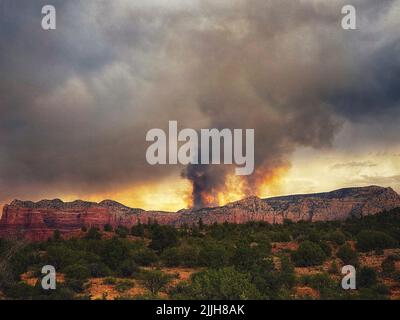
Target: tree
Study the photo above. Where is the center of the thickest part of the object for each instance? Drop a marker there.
(388, 266)
(155, 280)
(108, 228)
(214, 255)
(128, 268)
(222, 284)
(347, 254)
(114, 252)
(163, 237)
(99, 270)
(246, 256)
(308, 254)
(77, 271)
(138, 230)
(366, 277)
(144, 257)
(56, 235)
(201, 224)
(122, 231)
(368, 240)
(337, 237)
(93, 234)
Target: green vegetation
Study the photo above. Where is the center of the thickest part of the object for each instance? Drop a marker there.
(308, 254)
(347, 254)
(228, 261)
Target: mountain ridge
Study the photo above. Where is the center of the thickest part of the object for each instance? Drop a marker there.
(39, 220)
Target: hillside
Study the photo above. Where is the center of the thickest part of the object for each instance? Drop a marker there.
(39, 220)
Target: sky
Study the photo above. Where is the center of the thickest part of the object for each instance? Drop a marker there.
(76, 102)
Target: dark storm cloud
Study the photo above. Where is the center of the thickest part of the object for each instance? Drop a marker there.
(76, 102)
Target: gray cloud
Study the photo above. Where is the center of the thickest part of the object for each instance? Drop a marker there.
(79, 100)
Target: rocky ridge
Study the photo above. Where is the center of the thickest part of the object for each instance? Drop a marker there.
(38, 220)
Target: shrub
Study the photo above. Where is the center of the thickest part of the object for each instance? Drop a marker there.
(163, 237)
(77, 271)
(138, 230)
(246, 256)
(327, 287)
(110, 281)
(155, 280)
(333, 268)
(93, 234)
(75, 285)
(388, 266)
(114, 251)
(214, 255)
(122, 231)
(325, 248)
(99, 270)
(224, 284)
(128, 268)
(308, 254)
(366, 277)
(108, 228)
(145, 257)
(347, 254)
(337, 237)
(124, 285)
(56, 235)
(369, 240)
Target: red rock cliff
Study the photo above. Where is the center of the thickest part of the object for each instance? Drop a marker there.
(38, 221)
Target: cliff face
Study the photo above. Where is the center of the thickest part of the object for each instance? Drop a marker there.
(38, 221)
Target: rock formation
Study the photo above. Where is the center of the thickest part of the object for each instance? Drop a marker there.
(38, 221)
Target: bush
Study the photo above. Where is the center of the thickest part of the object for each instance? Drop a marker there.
(308, 254)
(124, 285)
(246, 256)
(128, 268)
(137, 230)
(366, 277)
(145, 257)
(214, 255)
(347, 254)
(325, 248)
(337, 237)
(114, 251)
(93, 234)
(333, 268)
(163, 237)
(75, 285)
(77, 271)
(369, 240)
(110, 281)
(221, 284)
(327, 287)
(108, 228)
(99, 270)
(155, 280)
(122, 231)
(388, 266)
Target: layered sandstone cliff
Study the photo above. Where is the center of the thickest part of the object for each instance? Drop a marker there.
(38, 221)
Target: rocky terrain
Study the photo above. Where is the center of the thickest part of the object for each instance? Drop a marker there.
(38, 221)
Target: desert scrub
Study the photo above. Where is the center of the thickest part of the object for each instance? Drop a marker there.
(110, 281)
(124, 285)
